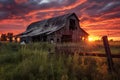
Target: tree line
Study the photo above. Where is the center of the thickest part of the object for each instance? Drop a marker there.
(7, 37)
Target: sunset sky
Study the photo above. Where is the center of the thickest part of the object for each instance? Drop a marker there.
(97, 17)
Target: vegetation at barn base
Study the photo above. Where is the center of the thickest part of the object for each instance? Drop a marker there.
(34, 62)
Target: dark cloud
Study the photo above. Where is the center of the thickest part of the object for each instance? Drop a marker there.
(110, 6)
(6, 1)
(22, 7)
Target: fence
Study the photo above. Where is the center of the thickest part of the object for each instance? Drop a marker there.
(70, 50)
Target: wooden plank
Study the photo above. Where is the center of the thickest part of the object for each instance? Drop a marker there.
(108, 53)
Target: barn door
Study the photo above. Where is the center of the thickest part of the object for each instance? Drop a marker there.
(44, 38)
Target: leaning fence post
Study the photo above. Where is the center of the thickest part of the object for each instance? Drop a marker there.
(108, 53)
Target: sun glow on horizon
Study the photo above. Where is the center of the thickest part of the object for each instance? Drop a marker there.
(93, 38)
(90, 39)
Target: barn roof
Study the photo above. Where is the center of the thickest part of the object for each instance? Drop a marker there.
(47, 26)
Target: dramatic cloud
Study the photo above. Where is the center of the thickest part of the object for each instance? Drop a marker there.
(96, 16)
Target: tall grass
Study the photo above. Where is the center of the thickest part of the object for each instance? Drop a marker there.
(34, 62)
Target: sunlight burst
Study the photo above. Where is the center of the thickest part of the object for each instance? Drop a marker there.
(92, 38)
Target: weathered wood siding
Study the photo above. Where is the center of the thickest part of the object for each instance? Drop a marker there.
(64, 28)
(77, 34)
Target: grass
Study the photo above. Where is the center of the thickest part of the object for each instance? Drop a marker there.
(33, 62)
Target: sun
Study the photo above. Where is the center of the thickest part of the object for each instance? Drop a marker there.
(90, 39)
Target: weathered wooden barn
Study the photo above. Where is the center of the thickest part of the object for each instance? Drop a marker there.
(64, 28)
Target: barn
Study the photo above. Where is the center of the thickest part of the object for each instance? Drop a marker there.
(64, 28)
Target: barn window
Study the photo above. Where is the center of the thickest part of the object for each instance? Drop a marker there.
(72, 25)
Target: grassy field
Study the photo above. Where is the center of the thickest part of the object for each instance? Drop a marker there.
(93, 47)
(33, 62)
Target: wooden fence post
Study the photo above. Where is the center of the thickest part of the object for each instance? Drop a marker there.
(108, 53)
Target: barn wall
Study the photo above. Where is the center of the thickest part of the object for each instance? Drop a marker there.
(78, 34)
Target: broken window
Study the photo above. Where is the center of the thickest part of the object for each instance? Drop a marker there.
(72, 25)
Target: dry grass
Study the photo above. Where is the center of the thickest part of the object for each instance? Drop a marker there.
(32, 62)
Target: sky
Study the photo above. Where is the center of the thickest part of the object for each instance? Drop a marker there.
(97, 17)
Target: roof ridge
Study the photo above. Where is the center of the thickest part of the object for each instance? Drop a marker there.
(33, 23)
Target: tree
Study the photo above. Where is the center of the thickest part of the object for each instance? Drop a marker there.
(3, 37)
(10, 36)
